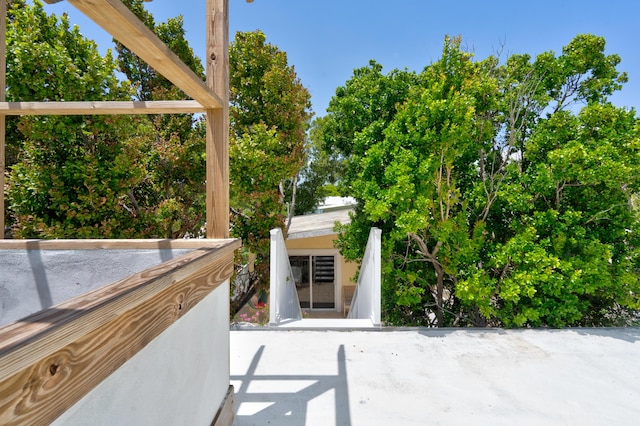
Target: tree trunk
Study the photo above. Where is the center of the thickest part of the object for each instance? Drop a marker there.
(439, 295)
(292, 206)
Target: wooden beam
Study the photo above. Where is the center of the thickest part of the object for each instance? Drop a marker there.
(51, 359)
(106, 107)
(123, 244)
(115, 18)
(225, 414)
(217, 142)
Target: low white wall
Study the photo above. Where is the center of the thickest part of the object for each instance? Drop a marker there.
(367, 296)
(179, 378)
(283, 298)
(32, 280)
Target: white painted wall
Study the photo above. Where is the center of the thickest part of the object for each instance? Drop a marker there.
(179, 378)
(283, 298)
(367, 297)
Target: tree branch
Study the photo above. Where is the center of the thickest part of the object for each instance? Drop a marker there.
(596, 216)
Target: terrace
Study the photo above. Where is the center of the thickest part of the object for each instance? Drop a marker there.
(136, 331)
(428, 376)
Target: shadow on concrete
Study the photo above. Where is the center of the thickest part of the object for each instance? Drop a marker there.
(289, 407)
(40, 277)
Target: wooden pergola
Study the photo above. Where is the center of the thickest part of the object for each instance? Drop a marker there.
(211, 98)
(52, 358)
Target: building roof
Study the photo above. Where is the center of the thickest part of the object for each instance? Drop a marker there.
(336, 203)
(316, 225)
(436, 376)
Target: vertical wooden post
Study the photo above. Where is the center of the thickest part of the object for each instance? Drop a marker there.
(3, 88)
(218, 120)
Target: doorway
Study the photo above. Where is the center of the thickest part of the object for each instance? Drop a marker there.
(315, 277)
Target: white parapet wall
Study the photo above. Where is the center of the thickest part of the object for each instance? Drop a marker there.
(179, 378)
(367, 297)
(101, 333)
(283, 297)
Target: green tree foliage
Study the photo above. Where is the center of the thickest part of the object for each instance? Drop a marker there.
(143, 176)
(270, 110)
(501, 200)
(320, 174)
(97, 176)
(357, 117)
(173, 190)
(70, 176)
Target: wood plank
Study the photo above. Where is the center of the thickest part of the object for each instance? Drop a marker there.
(105, 107)
(115, 18)
(225, 414)
(44, 371)
(122, 244)
(217, 142)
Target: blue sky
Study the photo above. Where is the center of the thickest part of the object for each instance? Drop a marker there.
(326, 39)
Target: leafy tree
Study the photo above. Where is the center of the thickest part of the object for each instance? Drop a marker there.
(269, 115)
(173, 191)
(572, 255)
(360, 111)
(357, 116)
(71, 175)
(501, 203)
(320, 174)
(144, 176)
(149, 178)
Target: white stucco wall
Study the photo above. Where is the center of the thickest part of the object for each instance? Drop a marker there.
(179, 378)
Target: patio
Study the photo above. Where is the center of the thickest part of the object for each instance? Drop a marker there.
(430, 376)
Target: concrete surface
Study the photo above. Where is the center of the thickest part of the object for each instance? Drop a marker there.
(437, 377)
(32, 280)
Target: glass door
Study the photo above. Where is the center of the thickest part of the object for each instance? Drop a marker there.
(315, 281)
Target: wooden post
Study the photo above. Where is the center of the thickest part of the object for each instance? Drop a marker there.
(217, 58)
(3, 88)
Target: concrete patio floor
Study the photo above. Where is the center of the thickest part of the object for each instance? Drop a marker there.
(436, 377)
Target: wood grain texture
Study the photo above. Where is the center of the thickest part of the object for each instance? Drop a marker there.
(53, 358)
(217, 187)
(217, 138)
(115, 18)
(115, 244)
(100, 107)
(225, 414)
